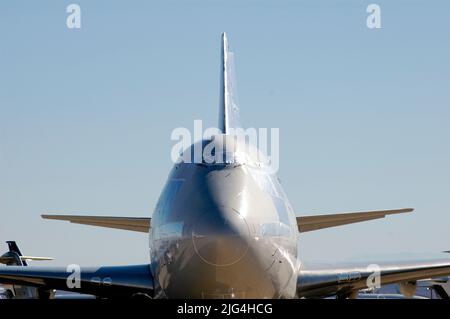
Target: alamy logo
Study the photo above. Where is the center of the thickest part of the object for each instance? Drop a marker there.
(74, 279)
(73, 20)
(250, 146)
(374, 19)
(374, 279)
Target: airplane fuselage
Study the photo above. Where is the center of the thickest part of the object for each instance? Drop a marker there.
(223, 231)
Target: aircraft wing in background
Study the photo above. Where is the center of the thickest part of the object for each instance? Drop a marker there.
(346, 281)
(39, 282)
(114, 281)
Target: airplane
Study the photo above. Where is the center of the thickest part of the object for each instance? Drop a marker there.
(14, 257)
(433, 288)
(224, 229)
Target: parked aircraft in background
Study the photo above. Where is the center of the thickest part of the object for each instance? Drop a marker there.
(435, 288)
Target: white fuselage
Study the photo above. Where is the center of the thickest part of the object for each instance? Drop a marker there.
(223, 231)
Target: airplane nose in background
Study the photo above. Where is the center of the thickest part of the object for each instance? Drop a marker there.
(220, 237)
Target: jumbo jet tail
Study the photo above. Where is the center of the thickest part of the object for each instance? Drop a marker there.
(14, 257)
(228, 109)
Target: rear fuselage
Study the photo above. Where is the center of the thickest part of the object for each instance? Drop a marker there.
(223, 231)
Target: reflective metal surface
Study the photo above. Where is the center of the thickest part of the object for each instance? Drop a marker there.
(228, 242)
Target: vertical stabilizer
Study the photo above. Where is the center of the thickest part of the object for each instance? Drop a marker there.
(13, 248)
(229, 110)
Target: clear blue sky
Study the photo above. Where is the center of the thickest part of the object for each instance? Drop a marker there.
(86, 115)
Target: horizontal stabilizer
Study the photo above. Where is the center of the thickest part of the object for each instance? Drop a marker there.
(35, 258)
(9, 260)
(138, 224)
(310, 223)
